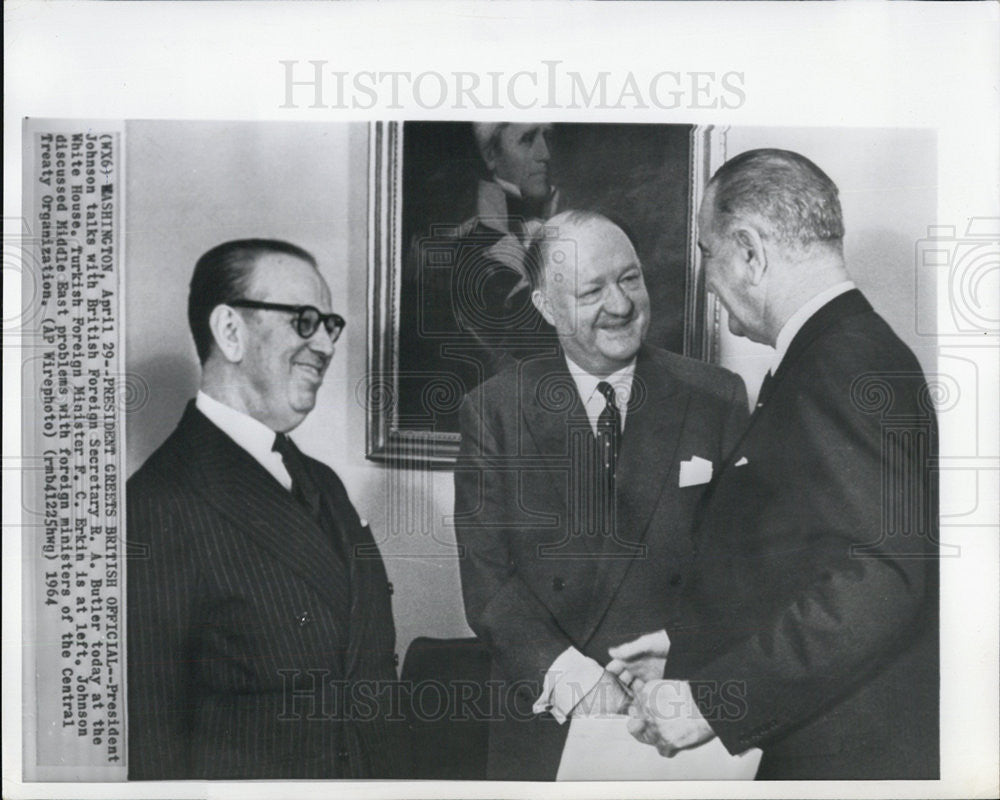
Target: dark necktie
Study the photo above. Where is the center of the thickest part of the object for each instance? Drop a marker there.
(303, 488)
(765, 389)
(305, 491)
(609, 427)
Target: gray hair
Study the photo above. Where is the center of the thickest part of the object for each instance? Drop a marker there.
(487, 136)
(795, 200)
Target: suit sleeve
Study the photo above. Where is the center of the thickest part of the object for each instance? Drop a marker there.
(162, 579)
(499, 605)
(866, 595)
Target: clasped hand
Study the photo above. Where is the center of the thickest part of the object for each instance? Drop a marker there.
(662, 713)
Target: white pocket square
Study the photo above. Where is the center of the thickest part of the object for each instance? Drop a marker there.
(695, 471)
(742, 462)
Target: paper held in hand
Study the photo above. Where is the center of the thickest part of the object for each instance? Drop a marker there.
(602, 749)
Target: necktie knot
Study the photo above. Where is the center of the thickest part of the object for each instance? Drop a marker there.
(610, 416)
(282, 444)
(303, 488)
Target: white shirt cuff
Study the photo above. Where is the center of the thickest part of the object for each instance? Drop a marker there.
(569, 679)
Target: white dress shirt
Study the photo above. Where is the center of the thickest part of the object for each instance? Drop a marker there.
(795, 322)
(250, 434)
(572, 675)
(593, 401)
(493, 207)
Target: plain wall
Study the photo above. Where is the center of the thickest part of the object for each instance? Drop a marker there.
(192, 185)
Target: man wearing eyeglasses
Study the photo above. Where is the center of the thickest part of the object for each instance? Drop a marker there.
(260, 630)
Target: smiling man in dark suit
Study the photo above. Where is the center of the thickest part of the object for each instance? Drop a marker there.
(575, 487)
(817, 581)
(260, 631)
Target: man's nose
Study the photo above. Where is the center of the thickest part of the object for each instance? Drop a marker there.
(320, 342)
(617, 302)
(541, 149)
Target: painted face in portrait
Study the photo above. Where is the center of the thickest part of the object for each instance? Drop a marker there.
(285, 370)
(594, 295)
(521, 157)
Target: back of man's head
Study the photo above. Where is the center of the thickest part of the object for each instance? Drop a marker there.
(223, 275)
(791, 200)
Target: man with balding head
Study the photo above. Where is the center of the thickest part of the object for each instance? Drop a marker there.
(260, 630)
(816, 590)
(577, 479)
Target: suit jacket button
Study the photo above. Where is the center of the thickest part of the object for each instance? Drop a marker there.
(675, 579)
(342, 755)
(392, 588)
(304, 619)
(558, 584)
(395, 659)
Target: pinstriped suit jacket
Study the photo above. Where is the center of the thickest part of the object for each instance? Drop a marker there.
(240, 665)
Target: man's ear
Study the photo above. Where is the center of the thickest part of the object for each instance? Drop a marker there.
(229, 331)
(544, 306)
(753, 255)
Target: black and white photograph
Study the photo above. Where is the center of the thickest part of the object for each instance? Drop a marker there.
(504, 447)
(625, 532)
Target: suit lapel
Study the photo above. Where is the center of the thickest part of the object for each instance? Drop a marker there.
(557, 423)
(653, 426)
(551, 408)
(848, 304)
(554, 416)
(232, 482)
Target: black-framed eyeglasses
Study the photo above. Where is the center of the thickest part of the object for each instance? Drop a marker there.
(307, 318)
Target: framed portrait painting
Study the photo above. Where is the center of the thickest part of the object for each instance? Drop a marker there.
(454, 208)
